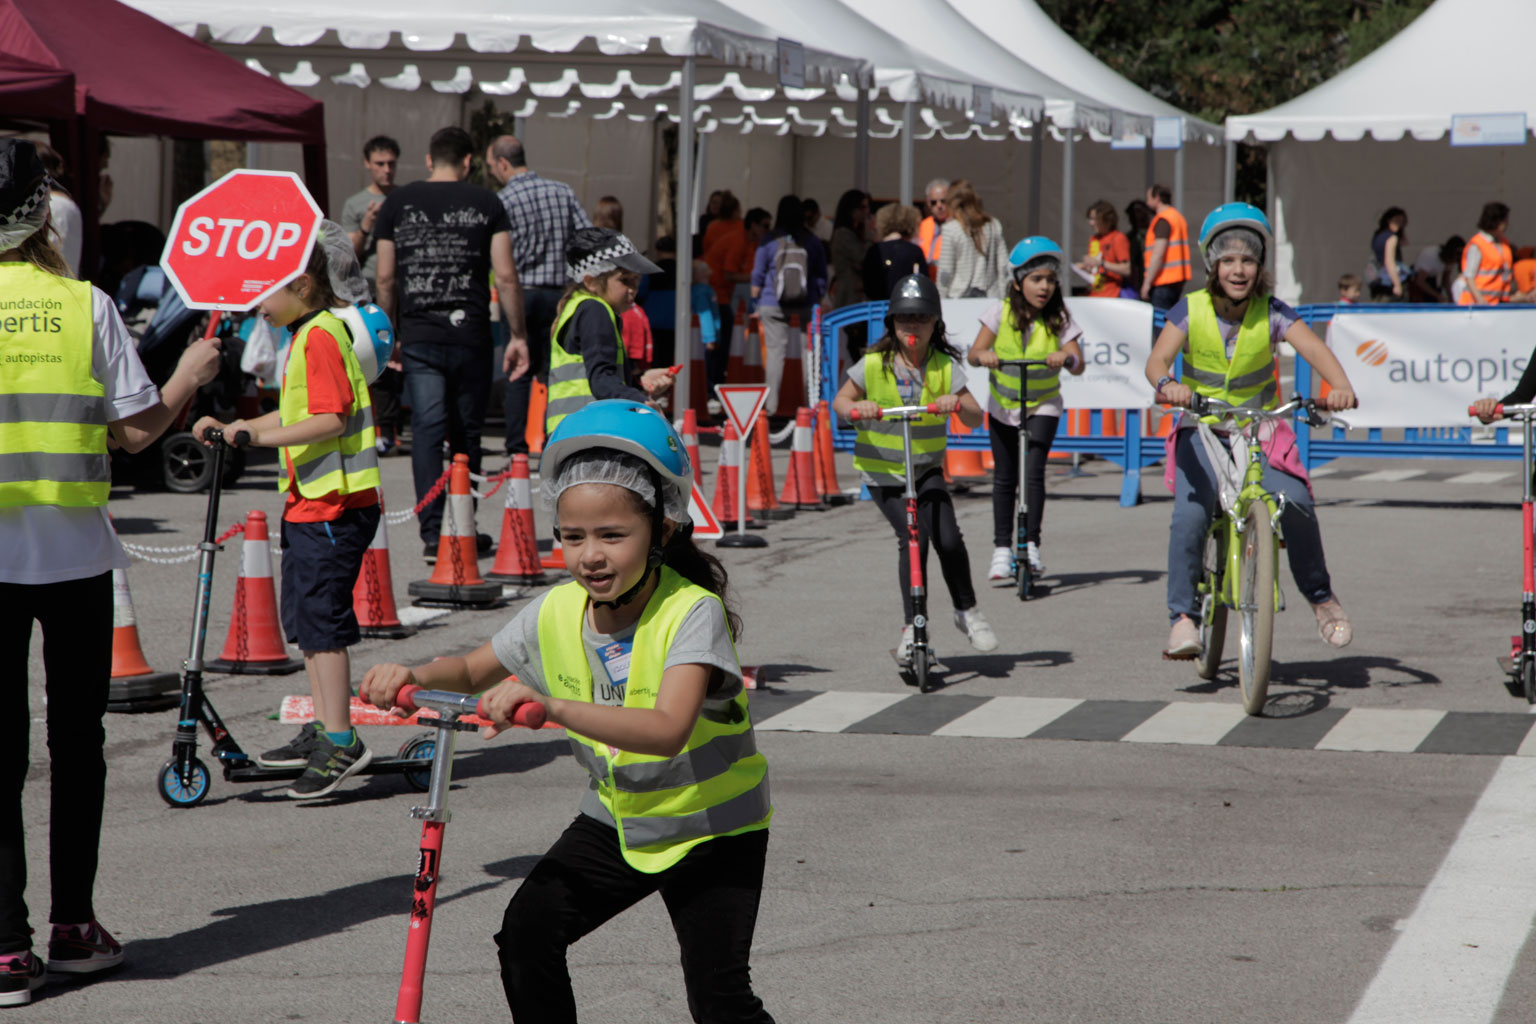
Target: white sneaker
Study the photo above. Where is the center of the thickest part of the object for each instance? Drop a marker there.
(1036, 563)
(1001, 572)
(976, 629)
(904, 649)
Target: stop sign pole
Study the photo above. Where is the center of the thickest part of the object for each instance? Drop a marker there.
(241, 239)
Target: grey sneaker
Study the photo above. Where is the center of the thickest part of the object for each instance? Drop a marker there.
(329, 766)
(295, 753)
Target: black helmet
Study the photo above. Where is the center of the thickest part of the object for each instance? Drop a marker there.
(915, 295)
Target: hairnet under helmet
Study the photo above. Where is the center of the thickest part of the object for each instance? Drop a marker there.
(341, 266)
(1235, 242)
(608, 466)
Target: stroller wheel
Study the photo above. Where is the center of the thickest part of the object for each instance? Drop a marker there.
(186, 464)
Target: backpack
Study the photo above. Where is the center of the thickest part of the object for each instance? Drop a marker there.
(791, 273)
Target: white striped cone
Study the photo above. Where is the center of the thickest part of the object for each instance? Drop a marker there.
(254, 643)
(373, 595)
(800, 481)
(727, 479)
(517, 556)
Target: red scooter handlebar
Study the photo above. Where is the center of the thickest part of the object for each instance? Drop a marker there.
(530, 715)
(931, 407)
(1498, 410)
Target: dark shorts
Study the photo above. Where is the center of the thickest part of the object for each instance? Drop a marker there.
(320, 564)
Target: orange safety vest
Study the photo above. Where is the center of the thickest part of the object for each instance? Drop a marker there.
(1175, 268)
(930, 240)
(1495, 263)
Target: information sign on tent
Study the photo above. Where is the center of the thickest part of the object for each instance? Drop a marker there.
(742, 404)
(791, 64)
(1168, 133)
(706, 526)
(1488, 130)
(981, 105)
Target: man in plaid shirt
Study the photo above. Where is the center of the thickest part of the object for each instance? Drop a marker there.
(544, 214)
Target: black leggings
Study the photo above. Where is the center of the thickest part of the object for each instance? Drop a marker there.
(936, 519)
(711, 895)
(1041, 431)
(76, 616)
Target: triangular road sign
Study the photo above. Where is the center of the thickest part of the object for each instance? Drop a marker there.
(742, 404)
(705, 525)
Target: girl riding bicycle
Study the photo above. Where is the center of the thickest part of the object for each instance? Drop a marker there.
(1031, 322)
(1229, 334)
(915, 364)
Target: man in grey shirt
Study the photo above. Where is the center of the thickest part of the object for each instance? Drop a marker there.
(381, 155)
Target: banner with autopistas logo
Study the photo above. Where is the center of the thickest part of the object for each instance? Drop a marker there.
(1424, 369)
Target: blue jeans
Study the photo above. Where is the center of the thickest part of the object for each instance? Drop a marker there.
(1195, 502)
(1165, 296)
(449, 386)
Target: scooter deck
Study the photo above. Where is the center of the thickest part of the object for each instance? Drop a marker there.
(250, 771)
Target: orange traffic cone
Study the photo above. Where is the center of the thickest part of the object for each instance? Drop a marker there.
(760, 498)
(373, 595)
(135, 686)
(800, 481)
(254, 644)
(724, 501)
(988, 460)
(691, 441)
(517, 556)
(826, 458)
(456, 580)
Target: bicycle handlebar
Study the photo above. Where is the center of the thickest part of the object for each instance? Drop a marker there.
(931, 408)
(411, 697)
(1501, 410)
(1317, 416)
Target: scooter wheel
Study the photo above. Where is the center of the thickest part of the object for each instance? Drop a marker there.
(920, 669)
(179, 793)
(422, 748)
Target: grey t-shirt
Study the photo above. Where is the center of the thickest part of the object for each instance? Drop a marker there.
(352, 220)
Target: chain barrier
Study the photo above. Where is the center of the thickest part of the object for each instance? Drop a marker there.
(180, 553)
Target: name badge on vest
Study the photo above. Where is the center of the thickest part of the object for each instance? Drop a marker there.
(615, 658)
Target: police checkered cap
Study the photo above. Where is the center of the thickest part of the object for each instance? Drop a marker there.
(597, 251)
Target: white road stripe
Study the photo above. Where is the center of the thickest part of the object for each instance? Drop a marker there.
(1199, 724)
(1454, 956)
(1322, 471)
(1380, 729)
(831, 712)
(1011, 717)
(1488, 477)
(1390, 476)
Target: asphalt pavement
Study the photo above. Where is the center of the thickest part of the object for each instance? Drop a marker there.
(1071, 830)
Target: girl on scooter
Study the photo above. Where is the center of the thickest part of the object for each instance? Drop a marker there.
(1230, 333)
(1031, 322)
(636, 659)
(915, 364)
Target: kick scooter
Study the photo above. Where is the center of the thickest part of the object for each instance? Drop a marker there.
(434, 817)
(1520, 666)
(1023, 574)
(183, 781)
(917, 671)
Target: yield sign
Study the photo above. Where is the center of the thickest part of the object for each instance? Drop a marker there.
(705, 525)
(742, 404)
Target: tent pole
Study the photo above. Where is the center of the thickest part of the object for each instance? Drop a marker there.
(908, 126)
(683, 232)
(315, 175)
(1067, 207)
(1178, 176)
(1229, 176)
(861, 143)
(1151, 158)
(700, 172)
(1036, 170)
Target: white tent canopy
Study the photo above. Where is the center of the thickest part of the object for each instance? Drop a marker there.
(1388, 117)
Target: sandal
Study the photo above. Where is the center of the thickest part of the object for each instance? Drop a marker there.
(1333, 623)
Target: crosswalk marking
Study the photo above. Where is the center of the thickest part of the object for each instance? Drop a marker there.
(1488, 477)
(1381, 729)
(1009, 717)
(1198, 724)
(1389, 476)
(831, 712)
(1323, 471)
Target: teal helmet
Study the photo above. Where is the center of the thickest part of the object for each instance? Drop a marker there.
(620, 425)
(1036, 249)
(1235, 216)
(373, 340)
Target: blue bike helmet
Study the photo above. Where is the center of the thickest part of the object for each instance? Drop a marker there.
(1035, 250)
(373, 339)
(1235, 216)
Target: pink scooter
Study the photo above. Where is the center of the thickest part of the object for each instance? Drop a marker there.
(1521, 663)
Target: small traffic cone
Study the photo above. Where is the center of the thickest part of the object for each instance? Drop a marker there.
(254, 644)
(456, 580)
(800, 481)
(517, 556)
(135, 686)
(724, 501)
(691, 441)
(373, 595)
(760, 498)
(538, 401)
(988, 460)
(825, 458)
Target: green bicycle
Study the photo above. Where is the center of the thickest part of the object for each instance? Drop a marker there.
(1239, 569)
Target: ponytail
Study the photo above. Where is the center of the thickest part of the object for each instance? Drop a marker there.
(702, 569)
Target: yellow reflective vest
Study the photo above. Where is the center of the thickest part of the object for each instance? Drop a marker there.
(569, 388)
(1248, 378)
(341, 465)
(1041, 383)
(53, 410)
(662, 807)
(878, 446)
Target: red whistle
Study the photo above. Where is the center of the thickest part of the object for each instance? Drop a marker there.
(675, 370)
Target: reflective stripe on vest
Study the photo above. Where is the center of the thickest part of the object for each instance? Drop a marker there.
(1248, 378)
(1495, 270)
(53, 410)
(1175, 268)
(878, 447)
(1042, 383)
(569, 387)
(662, 807)
(347, 464)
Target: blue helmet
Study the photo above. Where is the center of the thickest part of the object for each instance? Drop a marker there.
(372, 337)
(1035, 248)
(623, 426)
(1234, 215)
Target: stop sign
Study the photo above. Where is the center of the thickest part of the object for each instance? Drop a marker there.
(240, 239)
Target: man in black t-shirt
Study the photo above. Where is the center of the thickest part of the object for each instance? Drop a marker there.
(440, 241)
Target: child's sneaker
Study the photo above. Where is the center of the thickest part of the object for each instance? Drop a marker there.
(295, 753)
(904, 649)
(82, 949)
(1000, 573)
(976, 629)
(1036, 563)
(20, 974)
(329, 766)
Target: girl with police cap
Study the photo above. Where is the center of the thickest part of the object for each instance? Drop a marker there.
(69, 378)
(1230, 333)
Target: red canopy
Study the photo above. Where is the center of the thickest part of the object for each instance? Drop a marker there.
(35, 91)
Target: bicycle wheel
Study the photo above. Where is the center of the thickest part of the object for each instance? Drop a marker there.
(1213, 614)
(1256, 607)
